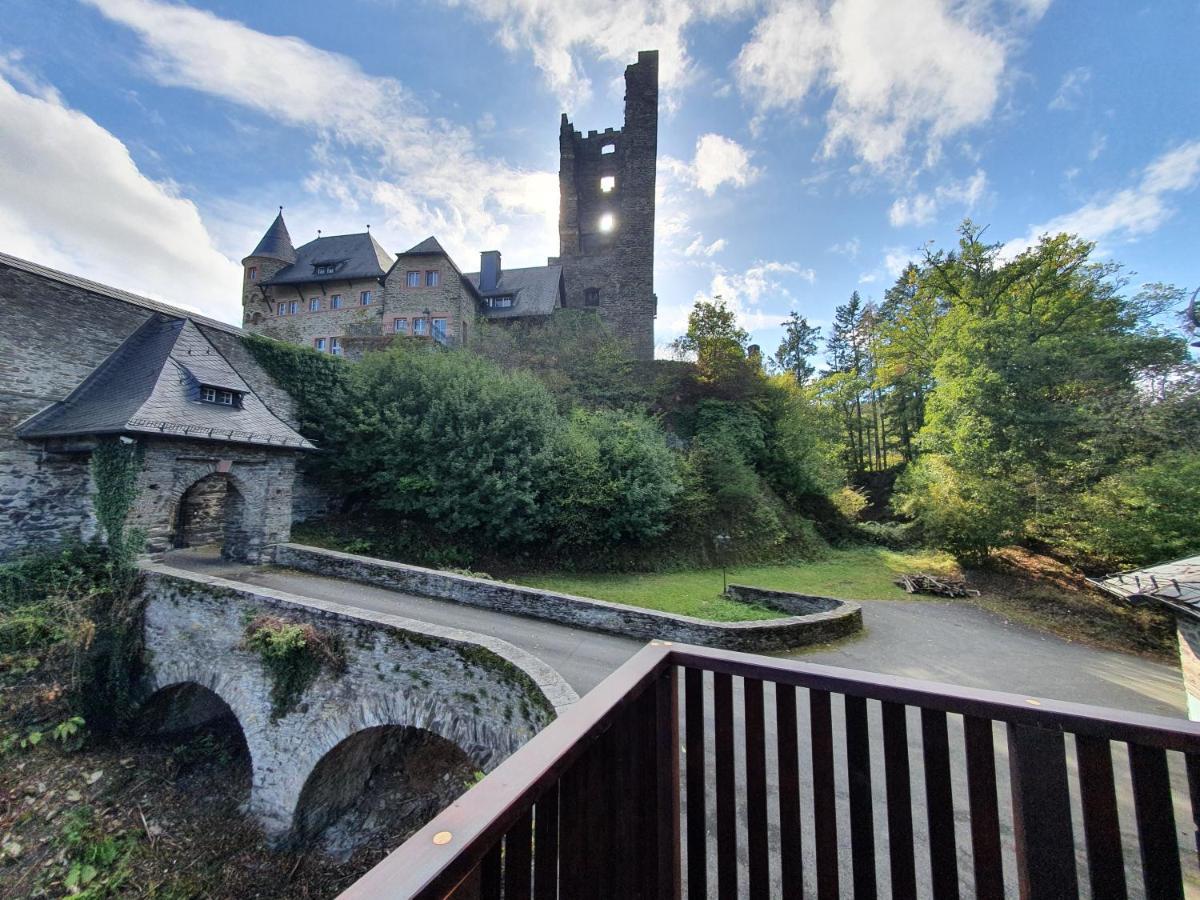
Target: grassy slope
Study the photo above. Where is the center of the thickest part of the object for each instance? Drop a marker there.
(861, 573)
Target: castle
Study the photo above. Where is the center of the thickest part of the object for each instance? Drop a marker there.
(343, 294)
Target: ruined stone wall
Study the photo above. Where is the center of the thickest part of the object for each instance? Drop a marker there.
(482, 694)
(52, 335)
(619, 264)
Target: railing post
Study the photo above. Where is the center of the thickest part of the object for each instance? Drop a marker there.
(667, 741)
(1042, 828)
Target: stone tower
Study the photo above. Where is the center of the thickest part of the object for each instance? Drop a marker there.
(274, 252)
(606, 212)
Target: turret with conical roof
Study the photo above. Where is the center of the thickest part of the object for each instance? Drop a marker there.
(273, 253)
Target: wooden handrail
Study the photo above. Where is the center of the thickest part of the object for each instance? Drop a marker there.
(452, 847)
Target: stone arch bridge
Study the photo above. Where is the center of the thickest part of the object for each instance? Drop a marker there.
(481, 694)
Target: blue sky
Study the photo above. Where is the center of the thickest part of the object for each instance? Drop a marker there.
(807, 149)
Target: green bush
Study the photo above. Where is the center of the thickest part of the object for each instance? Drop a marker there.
(613, 481)
(293, 655)
(449, 440)
(1146, 515)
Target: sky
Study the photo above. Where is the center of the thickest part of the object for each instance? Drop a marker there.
(807, 148)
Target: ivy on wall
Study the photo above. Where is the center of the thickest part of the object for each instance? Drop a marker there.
(293, 655)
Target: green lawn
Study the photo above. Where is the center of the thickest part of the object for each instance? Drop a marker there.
(862, 573)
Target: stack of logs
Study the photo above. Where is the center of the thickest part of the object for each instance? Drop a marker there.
(921, 583)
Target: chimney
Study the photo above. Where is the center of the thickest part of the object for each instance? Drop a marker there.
(489, 270)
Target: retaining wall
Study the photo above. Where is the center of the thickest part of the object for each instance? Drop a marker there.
(811, 620)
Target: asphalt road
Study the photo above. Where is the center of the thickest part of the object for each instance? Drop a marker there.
(942, 641)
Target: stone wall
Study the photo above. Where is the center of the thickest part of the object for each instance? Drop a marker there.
(201, 515)
(812, 625)
(450, 298)
(305, 327)
(482, 694)
(53, 333)
(257, 511)
(619, 264)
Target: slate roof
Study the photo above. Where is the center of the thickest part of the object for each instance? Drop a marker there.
(536, 291)
(104, 290)
(428, 246)
(276, 243)
(151, 385)
(1176, 584)
(356, 256)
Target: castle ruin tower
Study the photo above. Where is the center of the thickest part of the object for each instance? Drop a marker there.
(273, 253)
(606, 212)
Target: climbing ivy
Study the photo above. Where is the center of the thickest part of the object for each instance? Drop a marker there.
(111, 649)
(316, 382)
(293, 655)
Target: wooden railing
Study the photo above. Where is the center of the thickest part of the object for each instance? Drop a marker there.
(699, 772)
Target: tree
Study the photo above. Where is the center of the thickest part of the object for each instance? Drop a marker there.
(798, 346)
(718, 343)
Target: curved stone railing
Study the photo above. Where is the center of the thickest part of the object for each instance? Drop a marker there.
(808, 620)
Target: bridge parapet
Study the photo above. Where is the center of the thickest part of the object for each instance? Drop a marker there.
(482, 694)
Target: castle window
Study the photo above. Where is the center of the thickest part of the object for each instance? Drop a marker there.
(319, 344)
(591, 297)
(335, 301)
(607, 222)
(504, 302)
(608, 148)
(221, 397)
(282, 309)
(335, 346)
(431, 278)
(364, 299)
(607, 183)
(414, 279)
(314, 304)
(293, 308)
(400, 326)
(420, 327)
(439, 330)
(252, 273)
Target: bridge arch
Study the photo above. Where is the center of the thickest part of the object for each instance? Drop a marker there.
(385, 780)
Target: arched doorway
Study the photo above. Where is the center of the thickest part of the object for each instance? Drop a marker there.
(377, 787)
(201, 740)
(210, 515)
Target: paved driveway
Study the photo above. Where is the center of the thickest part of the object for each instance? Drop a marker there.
(949, 642)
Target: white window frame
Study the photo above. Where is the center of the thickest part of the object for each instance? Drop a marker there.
(400, 325)
(335, 301)
(433, 327)
(314, 304)
(335, 346)
(208, 395)
(432, 277)
(412, 278)
(364, 298)
(420, 326)
(319, 344)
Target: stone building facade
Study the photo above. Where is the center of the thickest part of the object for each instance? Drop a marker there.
(344, 294)
(81, 362)
(606, 212)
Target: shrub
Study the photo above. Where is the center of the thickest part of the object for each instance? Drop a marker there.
(614, 480)
(849, 501)
(293, 655)
(1145, 515)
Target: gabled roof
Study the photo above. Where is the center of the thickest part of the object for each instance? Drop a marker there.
(151, 385)
(535, 291)
(1176, 584)
(428, 246)
(276, 243)
(104, 290)
(353, 256)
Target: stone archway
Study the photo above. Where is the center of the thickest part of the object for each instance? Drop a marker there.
(211, 513)
(377, 786)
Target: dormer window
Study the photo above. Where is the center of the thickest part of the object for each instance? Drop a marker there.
(502, 302)
(326, 268)
(220, 396)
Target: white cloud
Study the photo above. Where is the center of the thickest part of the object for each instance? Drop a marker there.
(558, 32)
(921, 209)
(71, 197)
(718, 160)
(868, 278)
(896, 260)
(903, 77)
(1070, 89)
(699, 248)
(377, 149)
(1131, 212)
(848, 248)
(1099, 142)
